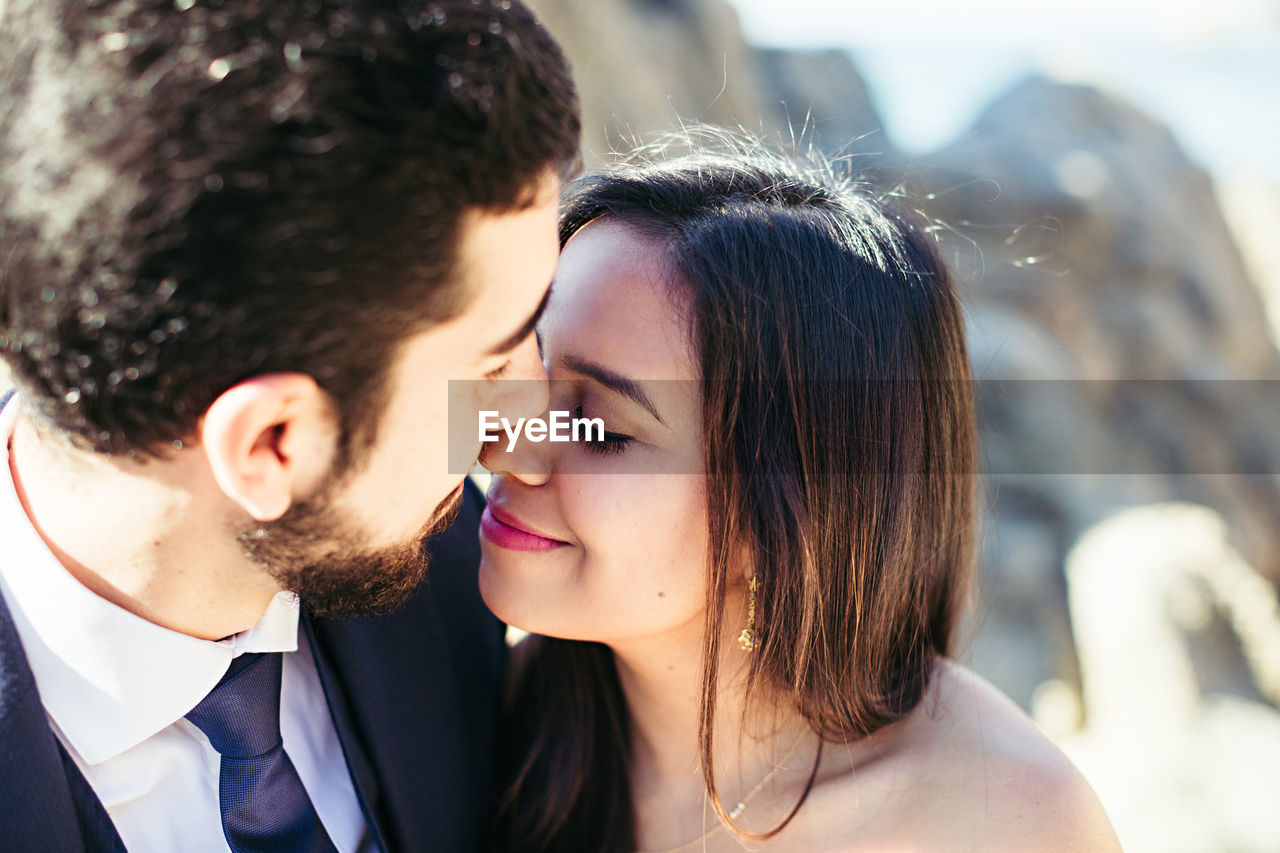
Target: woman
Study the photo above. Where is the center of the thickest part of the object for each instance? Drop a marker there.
(747, 590)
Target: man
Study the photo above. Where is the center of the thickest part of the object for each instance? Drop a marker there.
(244, 247)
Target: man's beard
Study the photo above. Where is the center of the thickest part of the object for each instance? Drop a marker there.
(314, 550)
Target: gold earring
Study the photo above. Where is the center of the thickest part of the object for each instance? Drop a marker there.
(748, 639)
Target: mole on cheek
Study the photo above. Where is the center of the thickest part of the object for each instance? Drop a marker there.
(662, 595)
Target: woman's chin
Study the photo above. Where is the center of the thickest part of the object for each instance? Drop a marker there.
(491, 590)
(507, 598)
(523, 608)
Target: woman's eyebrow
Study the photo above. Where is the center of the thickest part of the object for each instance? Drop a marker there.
(614, 381)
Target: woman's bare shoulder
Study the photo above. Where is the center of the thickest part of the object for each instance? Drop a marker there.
(965, 770)
(1001, 780)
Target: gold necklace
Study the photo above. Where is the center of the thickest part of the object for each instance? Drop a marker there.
(741, 806)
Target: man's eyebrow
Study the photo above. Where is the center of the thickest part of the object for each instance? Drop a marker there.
(609, 379)
(512, 341)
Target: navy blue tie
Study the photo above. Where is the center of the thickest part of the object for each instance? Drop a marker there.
(264, 807)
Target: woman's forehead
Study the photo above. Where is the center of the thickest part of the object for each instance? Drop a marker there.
(613, 302)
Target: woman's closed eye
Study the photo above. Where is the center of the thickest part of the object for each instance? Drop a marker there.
(609, 444)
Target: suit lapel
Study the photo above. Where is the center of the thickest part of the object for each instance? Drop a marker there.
(391, 687)
(45, 803)
(362, 773)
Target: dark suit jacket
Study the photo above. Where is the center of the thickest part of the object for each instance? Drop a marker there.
(414, 698)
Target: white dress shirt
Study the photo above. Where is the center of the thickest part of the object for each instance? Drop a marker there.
(117, 688)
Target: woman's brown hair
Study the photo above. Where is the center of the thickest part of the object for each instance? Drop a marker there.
(839, 441)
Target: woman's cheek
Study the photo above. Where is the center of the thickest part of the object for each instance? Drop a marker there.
(612, 512)
(642, 535)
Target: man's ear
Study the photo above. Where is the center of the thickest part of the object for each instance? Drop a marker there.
(270, 440)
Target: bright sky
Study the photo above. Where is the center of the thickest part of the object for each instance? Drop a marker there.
(1023, 23)
(1209, 68)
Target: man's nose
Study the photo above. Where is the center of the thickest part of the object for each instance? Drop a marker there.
(527, 462)
(523, 391)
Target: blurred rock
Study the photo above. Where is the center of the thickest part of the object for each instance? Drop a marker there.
(645, 66)
(1252, 208)
(1179, 768)
(1093, 222)
(818, 98)
(1089, 247)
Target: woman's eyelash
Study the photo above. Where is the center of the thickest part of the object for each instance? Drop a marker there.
(498, 371)
(613, 443)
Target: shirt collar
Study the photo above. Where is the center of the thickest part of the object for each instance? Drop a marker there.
(109, 679)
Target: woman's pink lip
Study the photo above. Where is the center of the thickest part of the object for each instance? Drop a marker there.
(511, 521)
(496, 526)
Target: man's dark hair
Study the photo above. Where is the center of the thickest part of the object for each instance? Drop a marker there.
(193, 192)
